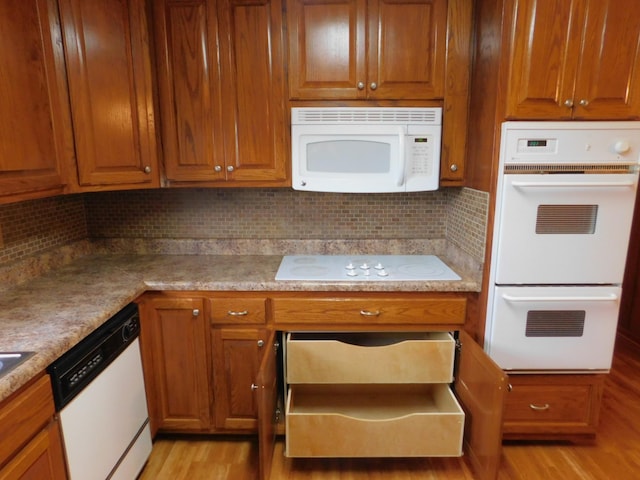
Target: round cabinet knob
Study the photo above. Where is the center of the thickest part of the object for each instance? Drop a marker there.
(360, 85)
(147, 169)
(373, 85)
(254, 386)
(217, 168)
(195, 312)
(453, 168)
(568, 103)
(621, 146)
(230, 168)
(260, 343)
(584, 102)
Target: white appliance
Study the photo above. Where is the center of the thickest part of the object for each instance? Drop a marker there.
(99, 391)
(365, 150)
(364, 268)
(564, 206)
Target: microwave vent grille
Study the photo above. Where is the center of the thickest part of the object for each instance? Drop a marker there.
(360, 116)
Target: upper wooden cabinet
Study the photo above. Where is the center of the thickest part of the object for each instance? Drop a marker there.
(367, 49)
(36, 145)
(109, 70)
(222, 91)
(573, 59)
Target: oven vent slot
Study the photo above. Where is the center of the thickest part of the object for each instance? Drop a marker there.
(537, 168)
(555, 323)
(566, 219)
(332, 116)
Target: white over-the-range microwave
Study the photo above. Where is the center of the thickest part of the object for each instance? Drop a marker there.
(365, 149)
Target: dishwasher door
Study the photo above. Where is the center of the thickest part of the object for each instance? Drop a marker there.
(106, 426)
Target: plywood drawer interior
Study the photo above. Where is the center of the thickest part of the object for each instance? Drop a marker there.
(370, 357)
(373, 421)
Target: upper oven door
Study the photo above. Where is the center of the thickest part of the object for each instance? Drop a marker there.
(563, 228)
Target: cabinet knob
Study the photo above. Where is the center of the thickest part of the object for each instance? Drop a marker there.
(254, 386)
(195, 312)
(373, 85)
(260, 343)
(360, 85)
(539, 407)
(453, 167)
(370, 313)
(147, 169)
(217, 168)
(230, 168)
(584, 102)
(568, 103)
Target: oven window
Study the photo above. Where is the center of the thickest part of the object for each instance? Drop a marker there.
(555, 323)
(566, 219)
(349, 156)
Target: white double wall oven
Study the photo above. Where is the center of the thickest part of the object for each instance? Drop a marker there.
(564, 207)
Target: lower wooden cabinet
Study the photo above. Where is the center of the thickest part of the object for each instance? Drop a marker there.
(552, 406)
(30, 439)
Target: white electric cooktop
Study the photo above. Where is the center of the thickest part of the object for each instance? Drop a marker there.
(367, 268)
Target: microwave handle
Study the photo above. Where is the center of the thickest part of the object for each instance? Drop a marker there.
(401, 154)
(606, 298)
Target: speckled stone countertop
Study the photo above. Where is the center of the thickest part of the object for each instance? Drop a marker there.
(51, 313)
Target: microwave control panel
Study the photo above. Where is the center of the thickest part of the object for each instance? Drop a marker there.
(420, 154)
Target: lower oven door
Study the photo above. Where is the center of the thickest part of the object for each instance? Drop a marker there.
(553, 328)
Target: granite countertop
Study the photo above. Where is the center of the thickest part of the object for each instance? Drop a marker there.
(53, 312)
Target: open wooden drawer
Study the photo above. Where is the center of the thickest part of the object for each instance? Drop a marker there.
(366, 357)
(373, 421)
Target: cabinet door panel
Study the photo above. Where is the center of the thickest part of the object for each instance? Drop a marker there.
(267, 392)
(326, 48)
(609, 76)
(110, 88)
(188, 81)
(36, 144)
(545, 47)
(406, 49)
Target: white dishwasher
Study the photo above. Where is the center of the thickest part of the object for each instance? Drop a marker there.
(99, 392)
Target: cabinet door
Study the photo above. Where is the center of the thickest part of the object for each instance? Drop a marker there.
(544, 53)
(173, 338)
(480, 386)
(327, 48)
(189, 88)
(253, 91)
(608, 81)
(237, 353)
(36, 143)
(406, 52)
(267, 393)
(106, 45)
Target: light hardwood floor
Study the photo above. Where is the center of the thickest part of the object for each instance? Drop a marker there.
(614, 455)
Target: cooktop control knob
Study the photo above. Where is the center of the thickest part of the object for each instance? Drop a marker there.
(379, 266)
(350, 266)
(383, 273)
(365, 266)
(351, 272)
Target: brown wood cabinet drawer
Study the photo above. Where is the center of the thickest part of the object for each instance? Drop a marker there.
(369, 310)
(234, 310)
(22, 416)
(370, 357)
(373, 421)
(554, 404)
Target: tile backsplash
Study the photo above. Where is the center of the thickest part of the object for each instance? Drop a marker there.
(455, 214)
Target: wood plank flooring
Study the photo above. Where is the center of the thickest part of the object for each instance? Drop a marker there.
(614, 455)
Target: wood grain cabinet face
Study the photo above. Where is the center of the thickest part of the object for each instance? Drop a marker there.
(36, 143)
(366, 49)
(221, 83)
(577, 59)
(109, 69)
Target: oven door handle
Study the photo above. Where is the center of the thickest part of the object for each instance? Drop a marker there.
(606, 298)
(518, 184)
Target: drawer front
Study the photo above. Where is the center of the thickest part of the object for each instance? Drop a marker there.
(370, 358)
(369, 421)
(560, 403)
(240, 310)
(369, 311)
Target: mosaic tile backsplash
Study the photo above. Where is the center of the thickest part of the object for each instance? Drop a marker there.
(455, 214)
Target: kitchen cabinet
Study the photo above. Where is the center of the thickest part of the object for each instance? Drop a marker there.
(546, 406)
(367, 49)
(30, 440)
(174, 347)
(36, 142)
(110, 83)
(222, 92)
(575, 59)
